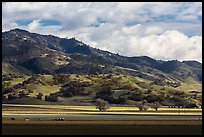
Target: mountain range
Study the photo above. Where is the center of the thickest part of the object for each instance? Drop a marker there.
(31, 53)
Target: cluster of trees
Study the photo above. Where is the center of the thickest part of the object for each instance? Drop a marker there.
(61, 78)
(15, 95)
(34, 78)
(52, 97)
(171, 98)
(106, 94)
(19, 90)
(136, 96)
(144, 105)
(103, 105)
(6, 87)
(148, 96)
(6, 77)
(11, 76)
(72, 88)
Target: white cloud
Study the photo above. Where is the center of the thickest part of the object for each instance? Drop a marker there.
(153, 30)
(131, 41)
(34, 25)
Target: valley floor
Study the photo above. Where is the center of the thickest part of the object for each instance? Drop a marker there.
(87, 120)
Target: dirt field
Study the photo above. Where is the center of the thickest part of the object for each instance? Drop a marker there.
(100, 129)
(144, 122)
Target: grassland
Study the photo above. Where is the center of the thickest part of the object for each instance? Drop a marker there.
(59, 109)
(16, 81)
(190, 84)
(45, 89)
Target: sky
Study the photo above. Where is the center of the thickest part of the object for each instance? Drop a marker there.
(161, 30)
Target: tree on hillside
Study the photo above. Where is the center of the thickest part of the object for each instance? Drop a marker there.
(22, 94)
(11, 97)
(105, 90)
(101, 104)
(52, 97)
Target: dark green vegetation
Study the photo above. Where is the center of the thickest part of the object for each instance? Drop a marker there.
(74, 89)
(44, 69)
(102, 130)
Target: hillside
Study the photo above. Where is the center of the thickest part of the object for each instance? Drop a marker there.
(37, 53)
(85, 71)
(77, 89)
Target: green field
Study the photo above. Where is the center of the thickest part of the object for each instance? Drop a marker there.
(116, 110)
(93, 108)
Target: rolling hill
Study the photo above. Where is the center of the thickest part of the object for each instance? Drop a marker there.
(31, 54)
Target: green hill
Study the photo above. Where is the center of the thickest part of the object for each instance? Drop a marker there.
(115, 88)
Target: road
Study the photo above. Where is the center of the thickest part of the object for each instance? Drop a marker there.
(101, 117)
(95, 124)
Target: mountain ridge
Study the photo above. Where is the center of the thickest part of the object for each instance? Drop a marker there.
(62, 55)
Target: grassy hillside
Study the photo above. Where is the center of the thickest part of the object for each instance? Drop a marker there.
(190, 84)
(115, 88)
(8, 68)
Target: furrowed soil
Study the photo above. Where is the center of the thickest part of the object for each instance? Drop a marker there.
(102, 128)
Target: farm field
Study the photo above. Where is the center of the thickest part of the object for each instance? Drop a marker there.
(101, 128)
(59, 109)
(87, 120)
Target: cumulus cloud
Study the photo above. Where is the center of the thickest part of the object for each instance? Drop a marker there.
(160, 30)
(133, 41)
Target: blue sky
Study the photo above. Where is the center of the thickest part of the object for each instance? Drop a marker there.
(127, 28)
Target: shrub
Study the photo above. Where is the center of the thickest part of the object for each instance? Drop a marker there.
(52, 98)
(39, 96)
(22, 94)
(11, 97)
